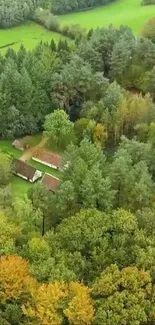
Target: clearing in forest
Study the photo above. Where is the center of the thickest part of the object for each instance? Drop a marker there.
(121, 12)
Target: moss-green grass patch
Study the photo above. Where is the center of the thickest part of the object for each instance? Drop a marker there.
(28, 34)
(6, 147)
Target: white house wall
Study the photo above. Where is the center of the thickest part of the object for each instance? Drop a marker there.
(21, 176)
(45, 163)
(37, 175)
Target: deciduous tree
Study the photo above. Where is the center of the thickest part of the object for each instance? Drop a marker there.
(59, 129)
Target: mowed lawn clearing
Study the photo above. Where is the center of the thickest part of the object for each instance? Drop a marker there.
(121, 12)
(20, 186)
(28, 34)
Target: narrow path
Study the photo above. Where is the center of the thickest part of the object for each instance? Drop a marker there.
(28, 154)
(42, 143)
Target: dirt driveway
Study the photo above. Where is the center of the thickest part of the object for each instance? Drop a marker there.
(28, 154)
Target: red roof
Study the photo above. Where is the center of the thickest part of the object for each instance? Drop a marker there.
(48, 157)
(51, 182)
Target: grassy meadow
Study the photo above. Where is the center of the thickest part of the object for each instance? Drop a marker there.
(28, 34)
(121, 12)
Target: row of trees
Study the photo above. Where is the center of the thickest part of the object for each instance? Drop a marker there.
(62, 6)
(52, 22)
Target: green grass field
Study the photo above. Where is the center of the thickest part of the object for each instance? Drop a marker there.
(122, 12)
(28, 34)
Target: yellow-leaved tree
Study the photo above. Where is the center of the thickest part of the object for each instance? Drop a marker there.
(46, 307)
(54, 302)
(100, 134)
(80, 310)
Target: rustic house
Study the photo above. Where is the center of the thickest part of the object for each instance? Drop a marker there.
(47, 158)
(22, 144)
(51, 182)
(25, 171)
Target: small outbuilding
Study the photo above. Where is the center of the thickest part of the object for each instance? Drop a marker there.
(18, 144)
(51, 182)
(47, 158)
(26, 171)
(22, 144)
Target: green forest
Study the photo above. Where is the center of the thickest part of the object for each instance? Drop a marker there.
(83, 254)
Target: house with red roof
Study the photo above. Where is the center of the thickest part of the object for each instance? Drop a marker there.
(47, 158)
(51, 182)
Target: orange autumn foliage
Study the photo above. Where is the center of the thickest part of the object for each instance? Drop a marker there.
(15, 280)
